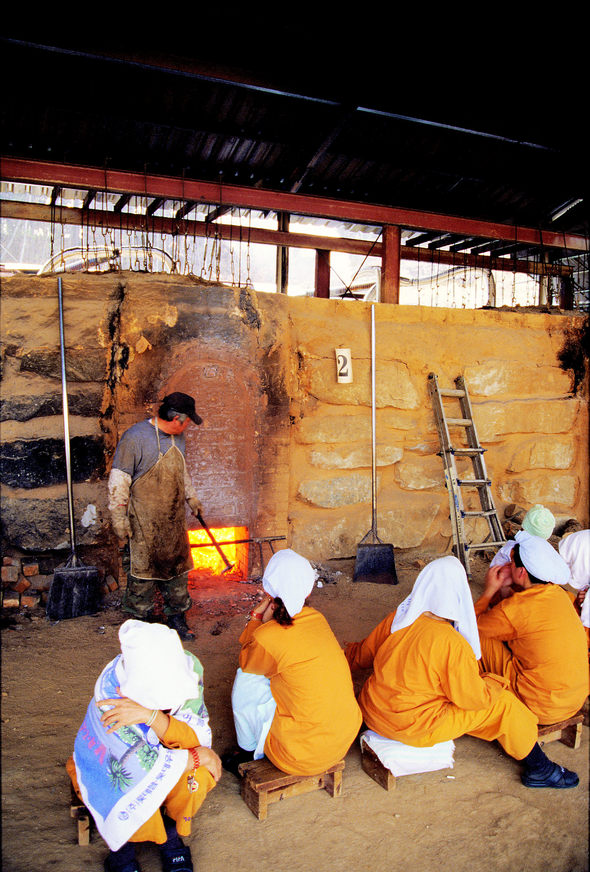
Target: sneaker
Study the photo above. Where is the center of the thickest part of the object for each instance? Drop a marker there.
(178, 623)
(558, 777)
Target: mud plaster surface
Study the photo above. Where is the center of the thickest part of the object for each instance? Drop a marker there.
(473, 817)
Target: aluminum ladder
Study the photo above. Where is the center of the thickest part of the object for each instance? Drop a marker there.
(453, 482)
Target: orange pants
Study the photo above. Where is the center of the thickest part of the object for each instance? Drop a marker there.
(181, 805)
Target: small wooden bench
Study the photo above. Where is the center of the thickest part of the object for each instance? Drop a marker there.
(263, 784)
(568, 731)
(375, 768)
(79, 812)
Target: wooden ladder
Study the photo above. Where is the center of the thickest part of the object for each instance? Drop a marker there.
(454, 483)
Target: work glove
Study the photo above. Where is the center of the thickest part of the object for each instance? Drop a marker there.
(120, 522)
(195, 505)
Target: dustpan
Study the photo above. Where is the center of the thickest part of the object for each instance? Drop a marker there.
(75, 587)
(375, 561)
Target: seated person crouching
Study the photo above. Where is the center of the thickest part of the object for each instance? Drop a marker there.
(145, 743)
(426, 688)
(293, 698)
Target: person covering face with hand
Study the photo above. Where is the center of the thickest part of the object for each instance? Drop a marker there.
(143, 762)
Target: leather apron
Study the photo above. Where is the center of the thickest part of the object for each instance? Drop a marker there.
(159, 546)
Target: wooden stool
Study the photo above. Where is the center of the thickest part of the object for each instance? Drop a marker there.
(263, 784)
(79, 812)
(375, 768)
(569, 732)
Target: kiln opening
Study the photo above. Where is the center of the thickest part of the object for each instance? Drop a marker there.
(207, 562)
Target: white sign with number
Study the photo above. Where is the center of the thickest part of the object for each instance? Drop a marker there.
(343, 365)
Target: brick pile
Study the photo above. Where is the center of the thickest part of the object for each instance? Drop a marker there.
(24, 586)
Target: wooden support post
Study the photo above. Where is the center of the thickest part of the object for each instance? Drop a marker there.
(322, 274)
(390, 264)
(282, 255)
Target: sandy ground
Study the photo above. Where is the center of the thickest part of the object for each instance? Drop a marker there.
(473, 817)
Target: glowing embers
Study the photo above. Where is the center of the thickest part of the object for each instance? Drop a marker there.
(207, 560)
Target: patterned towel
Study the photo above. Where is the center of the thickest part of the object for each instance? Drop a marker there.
(125, 776)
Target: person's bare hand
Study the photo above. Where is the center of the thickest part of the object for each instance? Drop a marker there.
(124, 713)
(209, 759)
(495, 579)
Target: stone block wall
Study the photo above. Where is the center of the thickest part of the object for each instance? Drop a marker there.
(284, 449)
(534, 428)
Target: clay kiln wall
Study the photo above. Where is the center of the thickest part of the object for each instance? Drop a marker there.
(283, 448)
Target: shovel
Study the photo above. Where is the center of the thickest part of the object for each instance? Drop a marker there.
(75, 588)
(375, 561)
(228, 565)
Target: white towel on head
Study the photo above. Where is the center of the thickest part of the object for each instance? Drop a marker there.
(441, 588)
(291, 577)
(575, 550)
(405, 759)
(154, 669)
(541, 559)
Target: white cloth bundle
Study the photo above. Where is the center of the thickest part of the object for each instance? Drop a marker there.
(253, 707)
(405, 759)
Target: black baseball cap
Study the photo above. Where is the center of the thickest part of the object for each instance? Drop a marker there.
(183, 404)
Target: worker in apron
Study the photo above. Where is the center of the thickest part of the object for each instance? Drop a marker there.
(148, 486)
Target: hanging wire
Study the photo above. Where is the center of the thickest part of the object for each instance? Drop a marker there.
(347, 287)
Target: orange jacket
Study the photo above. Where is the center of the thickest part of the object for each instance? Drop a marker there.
(317, 716)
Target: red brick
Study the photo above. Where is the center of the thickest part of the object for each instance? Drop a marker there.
(41, 582)
(9, 574)
(9, 561)
(30, 600)
(29, 569)
(21, 585)
(11, 601)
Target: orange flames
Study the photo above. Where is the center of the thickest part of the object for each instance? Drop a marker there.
(207, 559)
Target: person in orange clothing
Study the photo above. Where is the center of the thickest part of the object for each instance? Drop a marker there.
(145, 743)
(293, 698)
(535, 638)
(426, 687)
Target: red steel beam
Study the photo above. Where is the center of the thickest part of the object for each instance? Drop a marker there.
(119, 221)
(68, 175)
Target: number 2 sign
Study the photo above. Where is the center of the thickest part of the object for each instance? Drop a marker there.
(343, 365)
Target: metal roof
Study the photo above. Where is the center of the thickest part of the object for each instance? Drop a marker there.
(350, 128)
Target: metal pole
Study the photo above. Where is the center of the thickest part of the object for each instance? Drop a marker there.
(64, 394)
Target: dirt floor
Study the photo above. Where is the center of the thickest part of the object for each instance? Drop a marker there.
(473, 817)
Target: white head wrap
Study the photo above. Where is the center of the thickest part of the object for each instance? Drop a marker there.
(154, 670)
(539, 521)
(541, 559)
(441, 588)
(291, 577)
(575, 550)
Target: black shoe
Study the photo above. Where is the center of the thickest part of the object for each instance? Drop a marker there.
(127, 863)
(232, 759)
(176, 859)
(178, 623)
(558, 777)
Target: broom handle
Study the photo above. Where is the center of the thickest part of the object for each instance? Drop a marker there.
(373, 427)
(64, 394)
